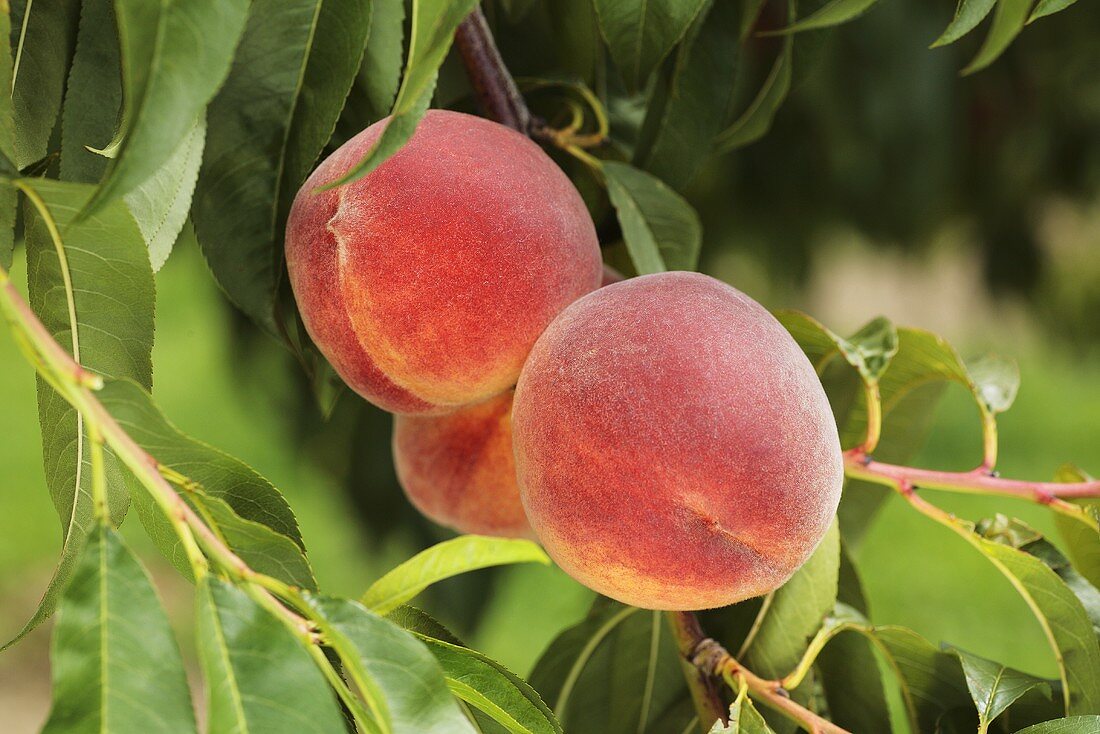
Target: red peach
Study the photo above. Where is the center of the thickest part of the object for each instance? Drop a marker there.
(426, 282)
(674, 447)
(458, 469)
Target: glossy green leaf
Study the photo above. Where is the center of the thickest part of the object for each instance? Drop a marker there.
(161, 203)
(641, 34)
(1069, 725)
(433, 28)
(105, 285)
(479, 680)
(756, 120)
(293, 69)
(744, 719)
(993, 686)
(230, 488)
(830, 14)
(8, 196)
(444, 560)
(1009, 19)
(616, 672)
(660, 228)
(43, 38)
(259, 677)
(1082, 541)
(691, 98)
(116, 666)
(399, 678)
(1048, 7)
(174, 57)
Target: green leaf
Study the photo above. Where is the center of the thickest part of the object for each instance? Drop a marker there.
(691, 99)
(433, 28)
(931, 681)
(400, 680)
(116, 666)
(750, 13)
(660, 228)
(292, 72)
(1082, 588)
(480, 681)
(640, 34)
(174, 57)
(852, 683)
(1008, 20)
(379, 75)
(616, 672)
(8, 195)
(968, 15)
(744, 719)
(993, 686)
(1069, 725)
(98, 303)
(755, 121)
(830, 14)
(444, 560)
(1082, 541)
(995, 380)
(870, 350)
(1048, 7)
(161, 203)
(245, 501)
(43, 37)
(259, 677)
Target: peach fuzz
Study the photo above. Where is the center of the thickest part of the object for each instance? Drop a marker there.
(674, 447)
(426, 282)
(458, 469)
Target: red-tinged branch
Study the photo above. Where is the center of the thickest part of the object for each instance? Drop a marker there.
(493, 84)
(858, 465)
(713, 662)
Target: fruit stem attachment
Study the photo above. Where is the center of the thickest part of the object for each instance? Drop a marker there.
(708, 662)
(493, 84)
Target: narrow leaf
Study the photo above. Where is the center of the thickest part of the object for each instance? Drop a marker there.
(444, 560)
(660, 228)
(399, 678)
(8, 196)
(968, 15)
(831, 14)
(1082, 541)
(292, 71)
(1069, 725)
(43, 37)
(640, 34)
(91, 284)
(1049, 7)
(259, 677)
(116, 666)
(433, 28)
(993, 686)
(174, 57)
(1008, 20)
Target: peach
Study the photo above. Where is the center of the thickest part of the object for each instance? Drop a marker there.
(458, 469)
(426, 282)
(674, 447)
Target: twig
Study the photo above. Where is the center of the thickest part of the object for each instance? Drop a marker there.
(858, 465)
(493, 84)
(712, 661)
(704, 689)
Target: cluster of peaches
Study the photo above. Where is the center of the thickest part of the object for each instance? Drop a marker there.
(663, 436)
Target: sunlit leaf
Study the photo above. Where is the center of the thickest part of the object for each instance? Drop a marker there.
(640, 34)
(444, 560)
(116, 666)
(744, 719)
(660, 228)
(259, 677)
(105, 284)
(1082, 541)
(994, 686)
(1069, 725)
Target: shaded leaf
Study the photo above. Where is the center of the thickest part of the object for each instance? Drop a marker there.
(993, 686)
(1049, 7)
(852, 682)
(98, 304)
(660, 228)
(399, 678)
(8, 196)
(691, 99)
(832, 13)
(174, 57)
(1082, 541)
(444, 560)
(379, 74)
(1008, 20)
(219, 478)
(116, 666)
(640, 34)
(433, 28)
(1069, 725)
(292, 71)
(968, 15)
(931, 681)
(259, 677)
(43, 37)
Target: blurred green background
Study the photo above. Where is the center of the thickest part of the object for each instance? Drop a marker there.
(888, 186)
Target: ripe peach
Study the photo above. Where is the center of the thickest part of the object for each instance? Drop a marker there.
(458, 469)
(674, 447)
(426, 282)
